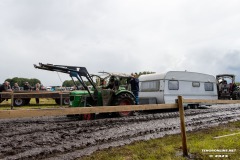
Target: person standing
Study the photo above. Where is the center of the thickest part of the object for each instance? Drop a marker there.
(110, 83)
(37, 88)
(5, 87)
(135, 87)
(27, 87)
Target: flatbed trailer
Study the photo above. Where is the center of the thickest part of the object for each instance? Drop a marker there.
(21, 98)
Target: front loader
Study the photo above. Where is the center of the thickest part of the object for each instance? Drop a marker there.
(98, 95)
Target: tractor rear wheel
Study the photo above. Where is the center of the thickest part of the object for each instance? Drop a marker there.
(236, 95)
(124, 99)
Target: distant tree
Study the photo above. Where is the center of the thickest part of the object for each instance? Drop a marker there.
(143, 73)
(70, 83)
(88, 83)
(34, 81)
(67, 83)
(21, 81)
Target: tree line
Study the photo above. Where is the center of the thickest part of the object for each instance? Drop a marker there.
(144, 72)
(66, 83)
(21, 81)
(70, 83)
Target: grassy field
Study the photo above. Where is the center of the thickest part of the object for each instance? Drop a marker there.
(201, 145)
(43, 103)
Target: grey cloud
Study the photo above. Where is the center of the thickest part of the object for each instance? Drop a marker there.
(123, 36)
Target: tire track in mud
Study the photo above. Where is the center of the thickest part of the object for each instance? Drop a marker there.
(64, 138)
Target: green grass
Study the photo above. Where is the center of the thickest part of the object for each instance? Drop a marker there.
(43, 103)
(170, 147)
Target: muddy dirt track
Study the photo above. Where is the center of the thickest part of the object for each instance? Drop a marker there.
(68, 138)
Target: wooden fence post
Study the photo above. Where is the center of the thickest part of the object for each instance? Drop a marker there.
(61, 100)
(182, 123)
(12, 100)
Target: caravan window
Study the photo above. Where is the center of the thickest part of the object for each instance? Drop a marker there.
(173, 85)
(149, 86)
(196, 84)
(208, 86)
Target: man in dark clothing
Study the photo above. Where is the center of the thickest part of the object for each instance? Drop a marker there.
(110, 84)
(113, 83)
(27, 86)
(135, 87)
(5, 87)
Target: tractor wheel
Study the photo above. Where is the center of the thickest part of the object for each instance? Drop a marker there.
(57, 100)
(236, 96)
(65, 101)
(18, 102)
(124, 99)
(88, 116)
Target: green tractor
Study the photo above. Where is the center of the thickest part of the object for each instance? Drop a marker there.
(112, 90)
(227, 88)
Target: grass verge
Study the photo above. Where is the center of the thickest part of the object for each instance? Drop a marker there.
(200, 143)
(43, 103)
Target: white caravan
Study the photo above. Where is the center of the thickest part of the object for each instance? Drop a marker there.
(166, 87)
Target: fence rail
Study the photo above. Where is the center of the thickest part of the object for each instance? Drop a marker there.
(205, 101)
(80, 110)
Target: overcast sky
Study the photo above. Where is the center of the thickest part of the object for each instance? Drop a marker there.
(119, 36)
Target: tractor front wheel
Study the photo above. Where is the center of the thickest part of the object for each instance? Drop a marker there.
(65, 101)
(88, 116)
(124, 99)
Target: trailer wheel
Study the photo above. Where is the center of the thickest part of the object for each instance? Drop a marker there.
(124, 99)
(18, 102)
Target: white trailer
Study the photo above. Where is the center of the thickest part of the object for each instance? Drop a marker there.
(166, 87)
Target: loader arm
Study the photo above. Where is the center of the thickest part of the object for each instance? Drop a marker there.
(73, 71)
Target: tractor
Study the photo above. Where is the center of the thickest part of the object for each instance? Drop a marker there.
(227, 88)
(113, 90)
